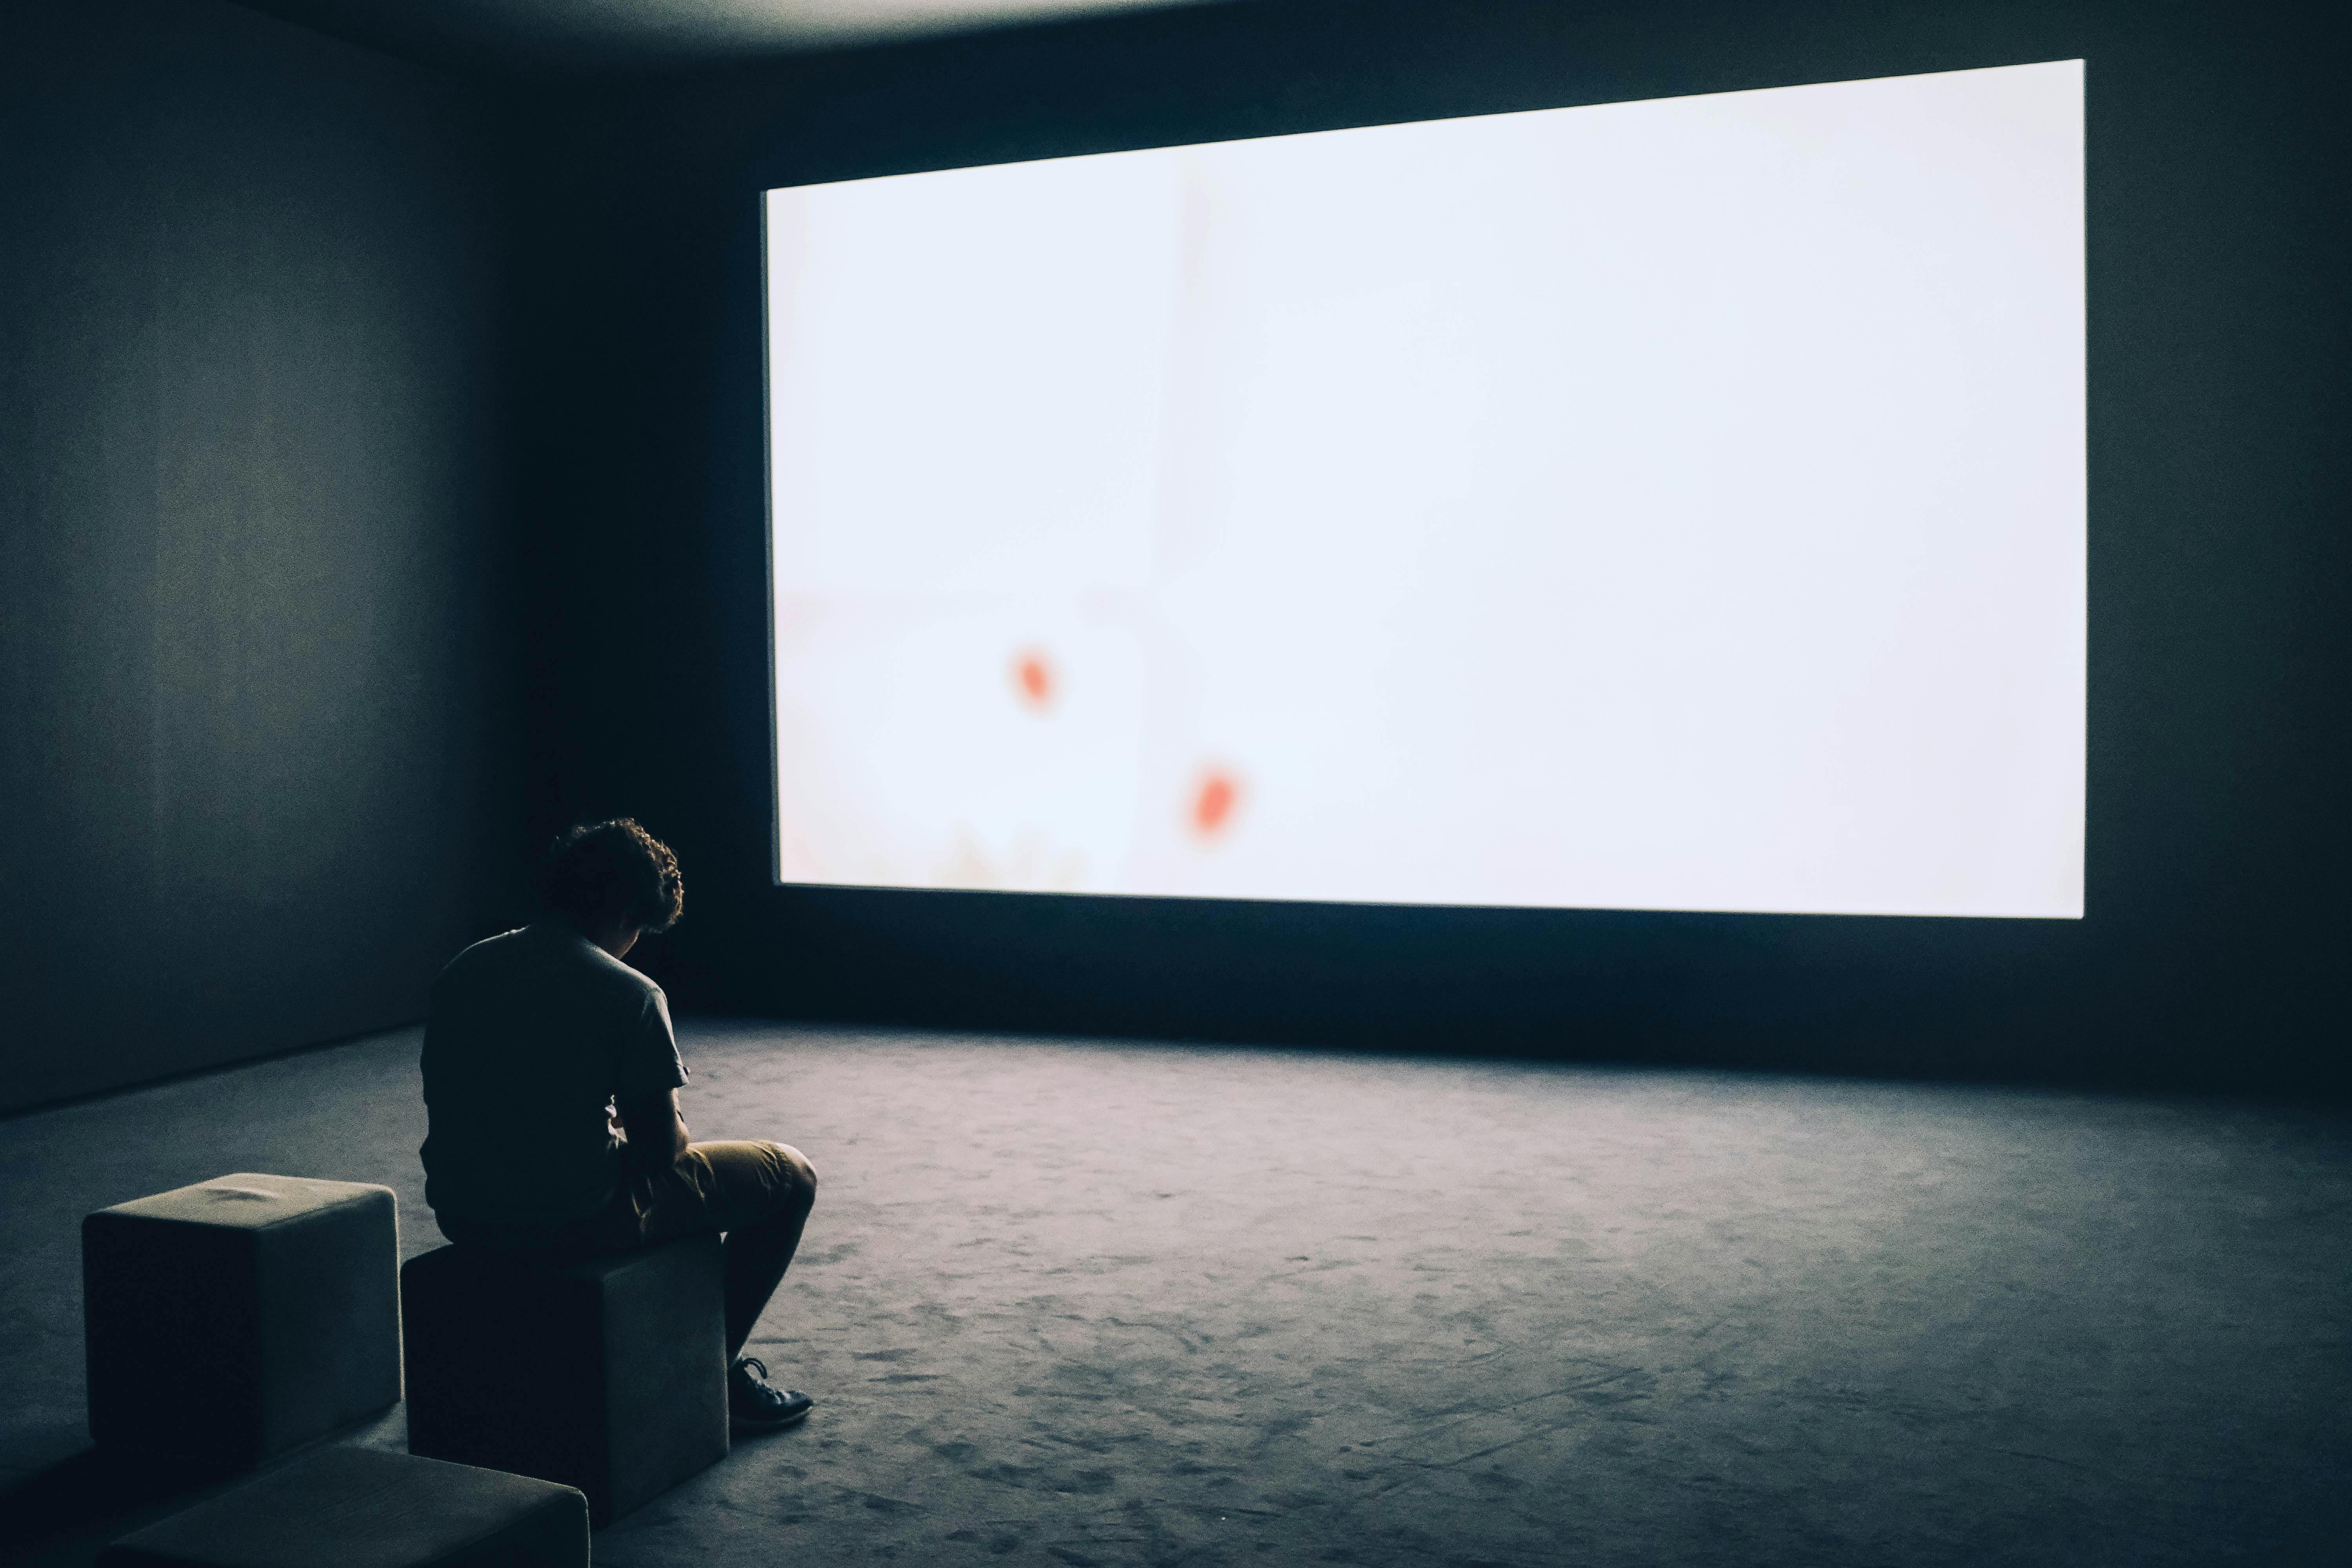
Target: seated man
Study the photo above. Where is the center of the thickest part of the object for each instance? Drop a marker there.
(550, 1088)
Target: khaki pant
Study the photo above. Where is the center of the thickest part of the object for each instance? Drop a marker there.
(757, 1194)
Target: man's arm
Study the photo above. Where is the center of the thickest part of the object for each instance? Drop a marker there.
(655, 1130)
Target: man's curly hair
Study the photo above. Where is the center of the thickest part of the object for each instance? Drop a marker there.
(601, 874)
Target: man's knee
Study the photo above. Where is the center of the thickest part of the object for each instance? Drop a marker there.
(796, 1178)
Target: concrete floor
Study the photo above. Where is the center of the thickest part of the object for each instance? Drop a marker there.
(1088, 1303)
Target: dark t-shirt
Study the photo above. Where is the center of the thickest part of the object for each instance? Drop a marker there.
(531, 1036)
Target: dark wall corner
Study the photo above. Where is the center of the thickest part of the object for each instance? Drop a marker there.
(258, 719)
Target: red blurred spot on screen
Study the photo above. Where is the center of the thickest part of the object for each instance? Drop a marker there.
(1213, 801)
(1032, 679)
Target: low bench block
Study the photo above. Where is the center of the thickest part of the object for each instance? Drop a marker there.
(608, 1376)
(241, 1317)
(362, 1507)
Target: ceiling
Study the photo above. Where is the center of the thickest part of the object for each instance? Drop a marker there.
(566, 36)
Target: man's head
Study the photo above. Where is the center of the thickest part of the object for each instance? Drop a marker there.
(610, 881)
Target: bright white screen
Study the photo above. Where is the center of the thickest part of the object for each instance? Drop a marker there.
(1663, 505)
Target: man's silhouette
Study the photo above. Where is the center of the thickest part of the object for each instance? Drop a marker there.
(550, 1085)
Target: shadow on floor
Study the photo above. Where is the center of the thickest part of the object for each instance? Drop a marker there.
(100, 1493)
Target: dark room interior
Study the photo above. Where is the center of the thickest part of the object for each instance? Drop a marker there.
(383, 488)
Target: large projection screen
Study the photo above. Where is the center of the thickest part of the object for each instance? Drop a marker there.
(1669, 505)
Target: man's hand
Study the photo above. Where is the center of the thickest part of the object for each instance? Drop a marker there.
(654, 1128)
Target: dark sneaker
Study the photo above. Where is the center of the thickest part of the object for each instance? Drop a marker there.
(755, 1405)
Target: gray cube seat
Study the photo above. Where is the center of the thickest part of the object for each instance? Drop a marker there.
(609, 1375)
(241, 1317)
(362, 1507)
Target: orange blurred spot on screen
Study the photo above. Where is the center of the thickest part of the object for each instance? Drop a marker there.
(1032, 679)
(1213, 801)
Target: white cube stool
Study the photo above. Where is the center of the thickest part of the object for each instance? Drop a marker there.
(241, 1317)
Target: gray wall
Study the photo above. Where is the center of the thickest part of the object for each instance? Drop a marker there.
(252, 763)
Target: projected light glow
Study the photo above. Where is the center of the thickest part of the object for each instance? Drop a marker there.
(1662, 505)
